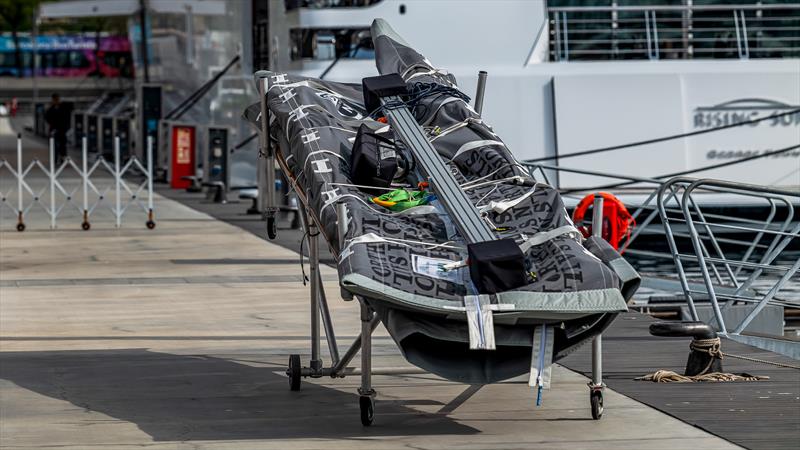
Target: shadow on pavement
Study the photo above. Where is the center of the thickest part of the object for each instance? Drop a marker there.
(174, 397)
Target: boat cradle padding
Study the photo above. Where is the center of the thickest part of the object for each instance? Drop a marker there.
(553, 305)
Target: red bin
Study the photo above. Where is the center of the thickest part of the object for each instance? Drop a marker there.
(182, 153)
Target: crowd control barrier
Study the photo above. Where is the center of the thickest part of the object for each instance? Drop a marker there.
(120, 195)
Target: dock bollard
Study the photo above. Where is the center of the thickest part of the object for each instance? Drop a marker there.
(705, 355)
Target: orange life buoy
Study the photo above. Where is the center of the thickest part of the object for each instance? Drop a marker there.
(617, 221)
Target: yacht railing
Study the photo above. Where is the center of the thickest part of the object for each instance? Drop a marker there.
(724, 258)
(656, 32)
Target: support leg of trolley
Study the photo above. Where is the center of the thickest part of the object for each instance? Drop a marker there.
(319, 307)
(270, 208)
(313, 255)
(366, 395)
(596, 386)
(266, 163)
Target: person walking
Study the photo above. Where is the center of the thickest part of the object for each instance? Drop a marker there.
(57, 117)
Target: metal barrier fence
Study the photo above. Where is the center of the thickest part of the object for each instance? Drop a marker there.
(58, 195)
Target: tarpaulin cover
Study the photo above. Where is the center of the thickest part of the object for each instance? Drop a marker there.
(394, 259)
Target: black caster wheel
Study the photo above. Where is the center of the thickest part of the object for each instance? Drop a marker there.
(294, 372)
(367, 405)
(20, 227)
(85, 226)
(272, 228)
(150, 224)
(596, 399)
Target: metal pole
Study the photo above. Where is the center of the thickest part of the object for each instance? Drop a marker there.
(143, 40)
(597, 216)
(366, 349)
(774, 290)
(341, 227)
(341, 223)
(744, 35)
(19, 178)
(117, 176)
(313, 256)
(35, 43)
(150, 180)
(262, 142)
(597, 342)
(189, 35)
(738, 34)
(52, 183)
(85, 171)
(269, 162)
(566, 35)
(338, 368)
(701, 261)
(480, 91)
(327, 322)
(597, 360)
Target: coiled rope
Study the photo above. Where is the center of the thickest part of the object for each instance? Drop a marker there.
(668, 376)
(713, 347)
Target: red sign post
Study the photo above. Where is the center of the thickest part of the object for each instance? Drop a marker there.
(182, 152)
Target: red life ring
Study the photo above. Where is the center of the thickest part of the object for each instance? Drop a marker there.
(617, 221)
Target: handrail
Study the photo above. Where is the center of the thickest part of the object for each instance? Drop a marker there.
(673, 31)
(761, 257)
(637, 8)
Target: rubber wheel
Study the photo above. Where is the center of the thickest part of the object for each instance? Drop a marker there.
(150, 224)
(20, 227)
(294, 372)
(272, 228)
(367, 405)
(85, 226)
(596, 399)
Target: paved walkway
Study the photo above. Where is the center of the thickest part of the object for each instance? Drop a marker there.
(177, 338)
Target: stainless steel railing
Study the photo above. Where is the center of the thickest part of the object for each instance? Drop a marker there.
(757, 30)
(720, 258)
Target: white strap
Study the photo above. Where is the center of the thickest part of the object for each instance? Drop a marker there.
(480, 322)
(541, 357)
(501, 207)
(476, 144)
(372, 238)
(544, 236)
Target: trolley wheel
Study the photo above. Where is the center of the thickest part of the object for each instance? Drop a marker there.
(367, 404)
(150, 224)
(85, 226)
(596, 399)
(272, 228)
(294, 372)
(20, 227)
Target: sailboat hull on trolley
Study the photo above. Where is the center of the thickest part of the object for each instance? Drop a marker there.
(412, 266)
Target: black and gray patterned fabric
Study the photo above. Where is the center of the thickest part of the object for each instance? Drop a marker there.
(386, 256)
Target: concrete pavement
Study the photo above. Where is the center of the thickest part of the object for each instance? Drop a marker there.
(178, 338)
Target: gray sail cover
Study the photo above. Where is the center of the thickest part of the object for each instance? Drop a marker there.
(389, 259)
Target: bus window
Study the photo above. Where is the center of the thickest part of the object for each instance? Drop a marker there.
(62, 60)
(47, 60)
(77, 60)
(7, 60)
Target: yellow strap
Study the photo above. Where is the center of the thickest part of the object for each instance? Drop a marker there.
(384, 203)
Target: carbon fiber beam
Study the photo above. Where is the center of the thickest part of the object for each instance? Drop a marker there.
(462, 212)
